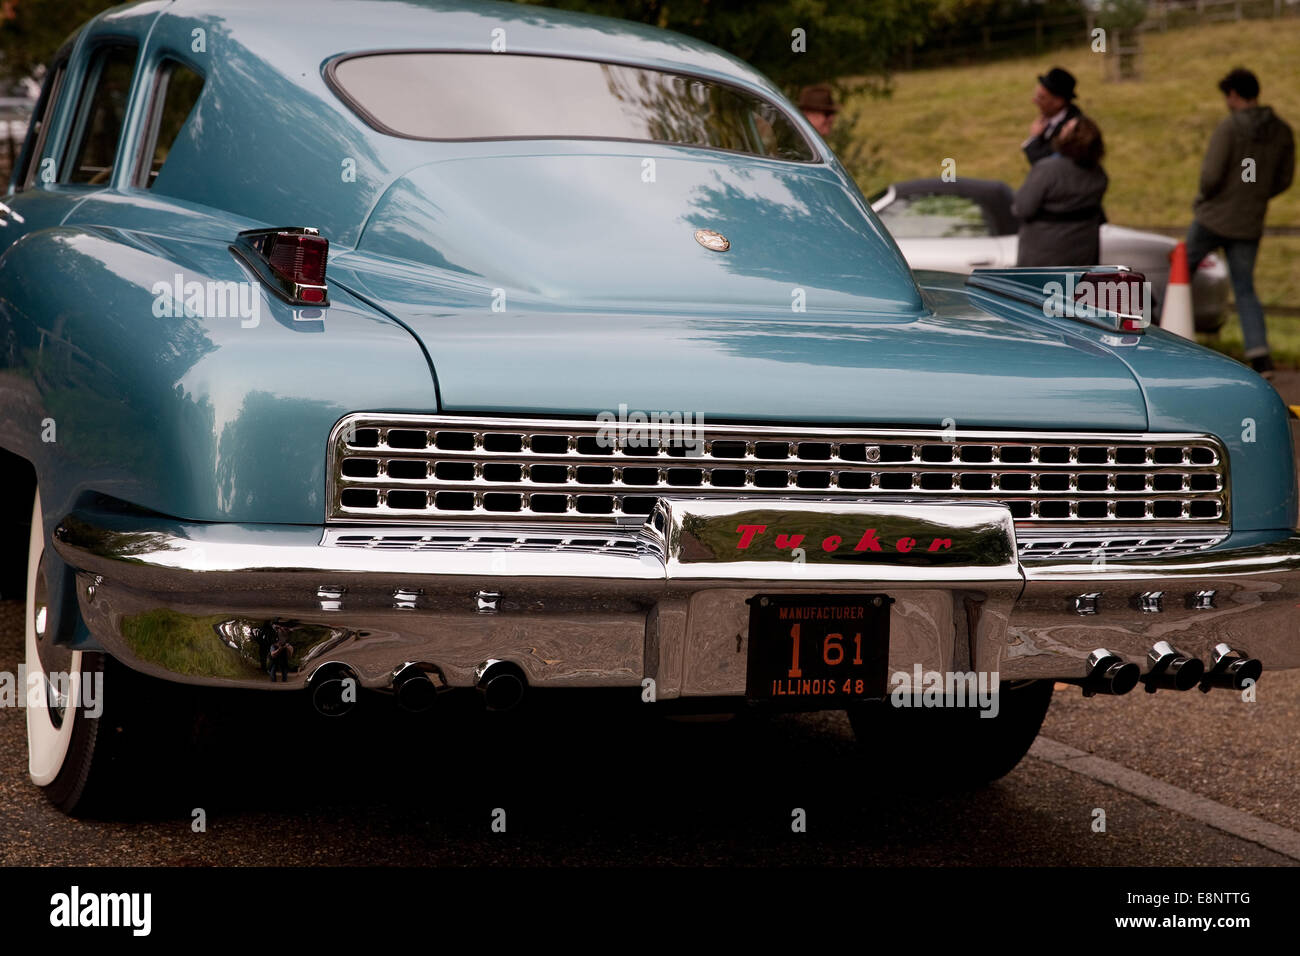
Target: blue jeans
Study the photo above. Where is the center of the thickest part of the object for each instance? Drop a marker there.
(1240, 254)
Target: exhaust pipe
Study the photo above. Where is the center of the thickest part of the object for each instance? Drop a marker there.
(1171, 669)
(1109, 674)
(1230, 669)
(501, 683)
(414, 691)
(334, 688)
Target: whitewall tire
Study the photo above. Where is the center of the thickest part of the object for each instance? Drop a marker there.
(53, 674)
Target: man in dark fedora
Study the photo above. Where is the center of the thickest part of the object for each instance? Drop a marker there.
(1054, 97)
(817, 103)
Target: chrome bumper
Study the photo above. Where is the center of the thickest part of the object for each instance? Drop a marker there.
(579, 607)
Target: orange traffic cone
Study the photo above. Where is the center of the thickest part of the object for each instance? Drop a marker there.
(1176, 316)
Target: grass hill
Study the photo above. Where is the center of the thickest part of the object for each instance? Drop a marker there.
(1155, 129)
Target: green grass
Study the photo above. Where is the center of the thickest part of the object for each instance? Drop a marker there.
(1155, 129)
(185, 645)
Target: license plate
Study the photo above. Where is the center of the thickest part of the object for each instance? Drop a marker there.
(820, 651)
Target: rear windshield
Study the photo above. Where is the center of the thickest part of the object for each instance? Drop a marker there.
(503, 96)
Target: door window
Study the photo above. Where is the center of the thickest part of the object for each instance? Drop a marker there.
(39, 131)
(175, 94)
(101, 116)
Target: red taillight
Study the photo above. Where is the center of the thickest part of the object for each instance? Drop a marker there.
(1125, 295)
(298, 258)
(291, 259)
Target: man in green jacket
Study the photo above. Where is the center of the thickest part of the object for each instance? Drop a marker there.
(1250, 159)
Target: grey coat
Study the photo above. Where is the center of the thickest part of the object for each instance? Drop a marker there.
(1059, 208)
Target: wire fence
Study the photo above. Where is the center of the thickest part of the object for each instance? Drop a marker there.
(997, 42)
(1036, 35)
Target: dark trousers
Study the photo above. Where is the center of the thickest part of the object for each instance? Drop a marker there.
(1240, 254)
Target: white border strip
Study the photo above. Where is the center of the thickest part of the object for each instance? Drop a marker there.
(1235, 822)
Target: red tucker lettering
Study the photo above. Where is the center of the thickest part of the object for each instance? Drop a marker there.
(868, 542)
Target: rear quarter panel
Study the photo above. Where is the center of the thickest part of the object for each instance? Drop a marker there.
(205, 418)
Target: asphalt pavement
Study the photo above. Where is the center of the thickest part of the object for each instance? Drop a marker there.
(280, 785)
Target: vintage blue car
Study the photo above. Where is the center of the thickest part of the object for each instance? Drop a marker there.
(359, 350)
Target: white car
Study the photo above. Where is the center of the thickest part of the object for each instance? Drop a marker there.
(968, 224)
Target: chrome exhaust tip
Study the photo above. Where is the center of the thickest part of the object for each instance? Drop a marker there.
(1171, 669)
(414, 691)
(1109, 674)
(334, 689)
(501, 683)
(1230, 669)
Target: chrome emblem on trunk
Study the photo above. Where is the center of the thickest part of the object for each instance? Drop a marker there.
(712, 240)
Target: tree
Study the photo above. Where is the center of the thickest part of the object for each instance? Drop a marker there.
(842, 40)
(34, 30)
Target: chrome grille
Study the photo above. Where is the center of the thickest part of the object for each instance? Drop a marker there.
(1031, 548)
(1090, 548)
(568, 542)
(404, 468)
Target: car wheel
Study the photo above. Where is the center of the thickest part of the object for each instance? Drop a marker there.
(953, 748)
(83, 735)
(60, 736)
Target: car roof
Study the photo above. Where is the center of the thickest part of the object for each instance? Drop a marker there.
(323, 29)
(267, 103)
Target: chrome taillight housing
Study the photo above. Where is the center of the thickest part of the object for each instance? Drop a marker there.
(290, 260)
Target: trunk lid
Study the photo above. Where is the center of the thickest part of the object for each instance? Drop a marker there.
(604, 298)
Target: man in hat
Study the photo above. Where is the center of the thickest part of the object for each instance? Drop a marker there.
(817, 103)
(1054, 97)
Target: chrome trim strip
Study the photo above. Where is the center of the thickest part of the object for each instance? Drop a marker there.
(1035, 545)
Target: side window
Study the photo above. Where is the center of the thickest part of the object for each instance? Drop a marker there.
(39, 129)
(175, 93)
(100, 116)
(934, 216)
